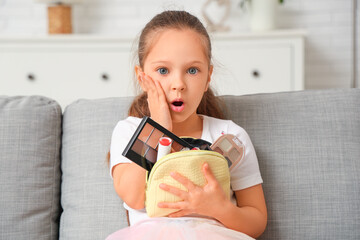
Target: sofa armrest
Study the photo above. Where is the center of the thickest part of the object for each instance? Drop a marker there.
(30, 138)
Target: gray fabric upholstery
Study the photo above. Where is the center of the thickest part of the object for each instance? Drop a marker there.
(30, 138)
(91, 208)
(308, 146)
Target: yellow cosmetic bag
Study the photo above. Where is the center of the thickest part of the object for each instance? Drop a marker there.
(189, 164)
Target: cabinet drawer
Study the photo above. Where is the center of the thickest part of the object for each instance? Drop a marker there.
(248, 69)
(67, 74)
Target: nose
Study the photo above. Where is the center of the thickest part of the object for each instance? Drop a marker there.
(178, 83)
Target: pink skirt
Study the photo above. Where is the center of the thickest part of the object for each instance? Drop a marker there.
(177, 229)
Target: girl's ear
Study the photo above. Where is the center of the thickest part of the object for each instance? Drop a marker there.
(138, 72)
(211, 68)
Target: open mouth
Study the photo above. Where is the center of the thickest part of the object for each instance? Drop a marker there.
(177, 105)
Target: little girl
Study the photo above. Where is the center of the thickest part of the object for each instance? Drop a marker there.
(174, 73)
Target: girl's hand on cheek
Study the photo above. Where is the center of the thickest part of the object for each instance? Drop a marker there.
(158, 106)
(205, 200)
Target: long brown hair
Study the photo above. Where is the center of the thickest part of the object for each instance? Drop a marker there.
(210, 105)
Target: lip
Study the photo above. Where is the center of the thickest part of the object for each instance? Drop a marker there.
(177, 108)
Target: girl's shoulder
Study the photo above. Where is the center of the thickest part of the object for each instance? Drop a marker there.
(128, 124)
(223, 126)
(213, 128)
(129, 121)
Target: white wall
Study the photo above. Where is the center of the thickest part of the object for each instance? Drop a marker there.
(328, 56)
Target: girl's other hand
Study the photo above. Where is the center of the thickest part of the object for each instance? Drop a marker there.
(158, 106)
(205, 200)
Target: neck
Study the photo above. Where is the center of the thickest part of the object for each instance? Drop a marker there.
(191, 127)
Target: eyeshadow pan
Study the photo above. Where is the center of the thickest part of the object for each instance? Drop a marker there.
(154, 138)
(225, 145)
(139, 147)
(145, 132)
(234, 154)
(228, 161)
(217, 149)
(176, 146)
(151, 155)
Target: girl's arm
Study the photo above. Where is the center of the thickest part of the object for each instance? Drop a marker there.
(129, 178)
(249, 216)
(129, 184)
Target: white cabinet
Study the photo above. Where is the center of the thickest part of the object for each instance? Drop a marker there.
(67, 68)
(258, 63)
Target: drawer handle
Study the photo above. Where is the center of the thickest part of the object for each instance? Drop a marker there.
(31, 77)
(256, 74)
(105, 77)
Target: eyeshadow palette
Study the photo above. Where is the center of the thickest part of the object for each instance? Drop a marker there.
(143, 146)
(230, 147)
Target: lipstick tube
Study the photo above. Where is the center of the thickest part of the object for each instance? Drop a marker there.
(164, 147)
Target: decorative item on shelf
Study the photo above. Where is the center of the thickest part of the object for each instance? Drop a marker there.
(262, 13)
(212, 25)
(59, 15)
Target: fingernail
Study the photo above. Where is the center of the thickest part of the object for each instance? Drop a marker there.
(172, 174)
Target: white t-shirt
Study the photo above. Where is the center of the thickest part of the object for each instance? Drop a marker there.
(245, 174)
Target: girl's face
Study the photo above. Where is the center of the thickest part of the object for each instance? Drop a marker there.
(178, 61)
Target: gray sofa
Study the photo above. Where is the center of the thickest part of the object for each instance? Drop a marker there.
(55, 182)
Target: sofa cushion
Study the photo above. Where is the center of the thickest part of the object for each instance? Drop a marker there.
(30, 132)
(308, 146)
(308, 149)
(91, 208)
